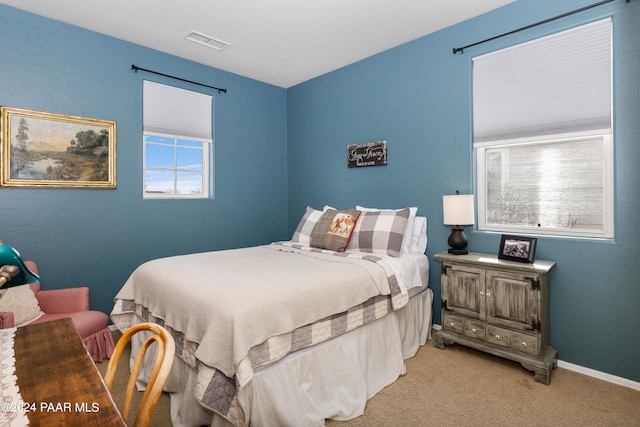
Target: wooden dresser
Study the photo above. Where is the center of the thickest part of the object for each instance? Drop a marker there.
(499, 307)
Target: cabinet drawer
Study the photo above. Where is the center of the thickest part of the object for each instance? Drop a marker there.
(474, 329)
(499, 336)
(453, 323)
(525, 343)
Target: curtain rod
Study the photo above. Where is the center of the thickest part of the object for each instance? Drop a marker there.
(135, 68)
(461, 49)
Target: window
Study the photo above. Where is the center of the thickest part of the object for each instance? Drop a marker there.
(175, 166)
(177, 141)
(543, 136)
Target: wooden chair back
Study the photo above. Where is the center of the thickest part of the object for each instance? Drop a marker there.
(165, 352)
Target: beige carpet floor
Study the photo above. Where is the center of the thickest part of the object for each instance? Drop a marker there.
(463, 387)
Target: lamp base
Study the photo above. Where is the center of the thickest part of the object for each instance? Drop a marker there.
(457, 241)
(458, 251)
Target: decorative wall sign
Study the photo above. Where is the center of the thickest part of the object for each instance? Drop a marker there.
(54, 150)
(367, 154)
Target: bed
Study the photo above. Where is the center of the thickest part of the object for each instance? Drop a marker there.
(294, 332)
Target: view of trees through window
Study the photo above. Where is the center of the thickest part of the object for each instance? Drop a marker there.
(552, 185)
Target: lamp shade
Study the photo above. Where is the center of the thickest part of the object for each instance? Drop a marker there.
(458, 209)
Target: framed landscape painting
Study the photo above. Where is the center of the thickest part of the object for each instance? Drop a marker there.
(54, 150)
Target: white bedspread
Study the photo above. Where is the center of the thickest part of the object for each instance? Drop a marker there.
(223, 304)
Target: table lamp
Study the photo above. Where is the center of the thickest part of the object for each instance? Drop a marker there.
(457, 211)
(9, 256)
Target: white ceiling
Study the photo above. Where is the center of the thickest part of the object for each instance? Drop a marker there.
(281, 42)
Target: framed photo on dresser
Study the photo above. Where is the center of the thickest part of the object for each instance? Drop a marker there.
(517, 248)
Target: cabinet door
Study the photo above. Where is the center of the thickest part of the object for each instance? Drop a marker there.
(463, 290)
(512, 300)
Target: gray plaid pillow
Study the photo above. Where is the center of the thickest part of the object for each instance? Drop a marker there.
(305, 226)
(380, 232)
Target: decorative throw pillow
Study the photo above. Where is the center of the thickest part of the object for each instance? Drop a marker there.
(380, 232)
(22, 302)
(305, 226)
(408, 231)
(334, 229)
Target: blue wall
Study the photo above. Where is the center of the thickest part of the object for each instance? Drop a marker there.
(278, 150)
(96, 237)
(418, 98)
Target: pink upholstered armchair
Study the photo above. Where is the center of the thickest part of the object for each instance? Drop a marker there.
(74, 303)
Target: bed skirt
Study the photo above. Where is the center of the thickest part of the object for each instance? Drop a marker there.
(331, 380)
(100, 344)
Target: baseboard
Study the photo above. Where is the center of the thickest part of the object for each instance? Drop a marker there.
(590, 372)
(600, 375)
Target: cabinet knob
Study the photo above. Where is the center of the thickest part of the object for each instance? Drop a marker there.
(481, 293)
(524, 344)
(474, 330)
(488, 294)
(452, 324)
(497, 337)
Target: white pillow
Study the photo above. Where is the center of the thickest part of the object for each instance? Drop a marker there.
(419, 235)
(22, 302)
(406, 241)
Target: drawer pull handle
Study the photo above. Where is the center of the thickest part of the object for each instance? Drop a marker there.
(474, 330)
(497, 337)
(524, 344)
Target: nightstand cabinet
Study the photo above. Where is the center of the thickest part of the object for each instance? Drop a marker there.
(499, 307)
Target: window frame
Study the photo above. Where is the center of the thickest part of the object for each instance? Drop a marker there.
(511, 117)
(205, 147)
(171, 112)
(607, 231)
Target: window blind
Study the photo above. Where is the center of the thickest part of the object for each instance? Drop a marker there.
(553, 85)
(176, 113)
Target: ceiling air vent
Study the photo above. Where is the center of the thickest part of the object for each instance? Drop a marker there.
(205, 40)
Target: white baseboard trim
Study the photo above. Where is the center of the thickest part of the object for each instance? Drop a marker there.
(600, 375)
(590, 372)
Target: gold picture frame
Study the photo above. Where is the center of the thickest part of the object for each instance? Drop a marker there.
(40, 149)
